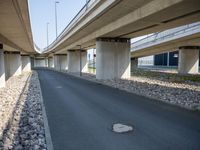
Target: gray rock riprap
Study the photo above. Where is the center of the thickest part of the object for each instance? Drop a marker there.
(21, 125)
(182, 94)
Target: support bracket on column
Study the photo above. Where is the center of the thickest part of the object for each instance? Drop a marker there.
(189, 47)
(120, 40)
(25, 55)
(1, 46)
(11, 52)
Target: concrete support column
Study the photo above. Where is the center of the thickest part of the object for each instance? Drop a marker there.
(188, 62)
(63, 62)
(113, 58)
(26, 63)
(56, 62)
(134, 63)
(74, 63)
(60, 62)
(32, 62)
(2, 68)
(46, 62)
(50, 62)
(39, 62)
(13, 64)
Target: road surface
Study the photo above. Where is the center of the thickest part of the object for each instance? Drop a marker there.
(81, 114)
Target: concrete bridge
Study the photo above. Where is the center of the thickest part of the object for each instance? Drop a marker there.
(83, 113)
(172, 40)
(106, 25)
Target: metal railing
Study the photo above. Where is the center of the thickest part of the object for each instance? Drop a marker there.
(161, 36)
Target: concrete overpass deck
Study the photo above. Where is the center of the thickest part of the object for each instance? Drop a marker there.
(166, 41)
(106, 25)
(15, 28)
(124, 19)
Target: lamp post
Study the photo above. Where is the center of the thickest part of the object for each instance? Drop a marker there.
(93, 60)
(56, 2)
(86, 4)
(80, 61)
(47, 34)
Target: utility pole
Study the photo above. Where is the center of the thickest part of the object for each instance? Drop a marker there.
(80, 61)
(86, 4)
(56, 2)
(93, 60)
(47, 34)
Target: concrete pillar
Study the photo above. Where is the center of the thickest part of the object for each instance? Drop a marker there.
(2, 68)
(26, 63)
(113, 58)
(73, 61)
(134, 64)
(50, 62)
(188, 60)
(63, 62)
(56, 62)
(39, 62)
(60, 61)
(32, 62)
(13, 64)
(46, 62)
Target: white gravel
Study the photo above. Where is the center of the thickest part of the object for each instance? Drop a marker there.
(21, 125)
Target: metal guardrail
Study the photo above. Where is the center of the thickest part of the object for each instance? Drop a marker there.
(82, 12)
(159, 36)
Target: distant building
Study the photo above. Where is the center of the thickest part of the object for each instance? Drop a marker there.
(161, 60)
(146, 61)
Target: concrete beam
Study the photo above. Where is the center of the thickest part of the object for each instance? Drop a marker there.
(113, 58)
(26, 63)
(188, 60)
(74, 63)
(2, 68)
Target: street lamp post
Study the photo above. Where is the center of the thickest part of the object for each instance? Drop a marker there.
(56, 2)
(80, 61)
(47, 34)
(86, 4)
(93, 60)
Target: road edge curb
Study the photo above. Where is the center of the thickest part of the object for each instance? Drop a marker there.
(46, 124)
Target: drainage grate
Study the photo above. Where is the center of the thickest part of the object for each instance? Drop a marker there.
(121, 128)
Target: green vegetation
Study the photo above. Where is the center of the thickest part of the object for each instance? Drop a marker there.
(172, 77)
(91, 70)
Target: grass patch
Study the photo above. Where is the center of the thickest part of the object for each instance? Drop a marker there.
(171, 77)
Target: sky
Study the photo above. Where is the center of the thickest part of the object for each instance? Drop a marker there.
(43, 11)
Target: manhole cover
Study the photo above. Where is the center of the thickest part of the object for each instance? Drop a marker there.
(58, 87)
(121, 128)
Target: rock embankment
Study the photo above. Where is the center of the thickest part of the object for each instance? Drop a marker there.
(186, 94)
(21, 125)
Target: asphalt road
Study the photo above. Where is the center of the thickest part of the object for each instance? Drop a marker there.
(81, 114)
